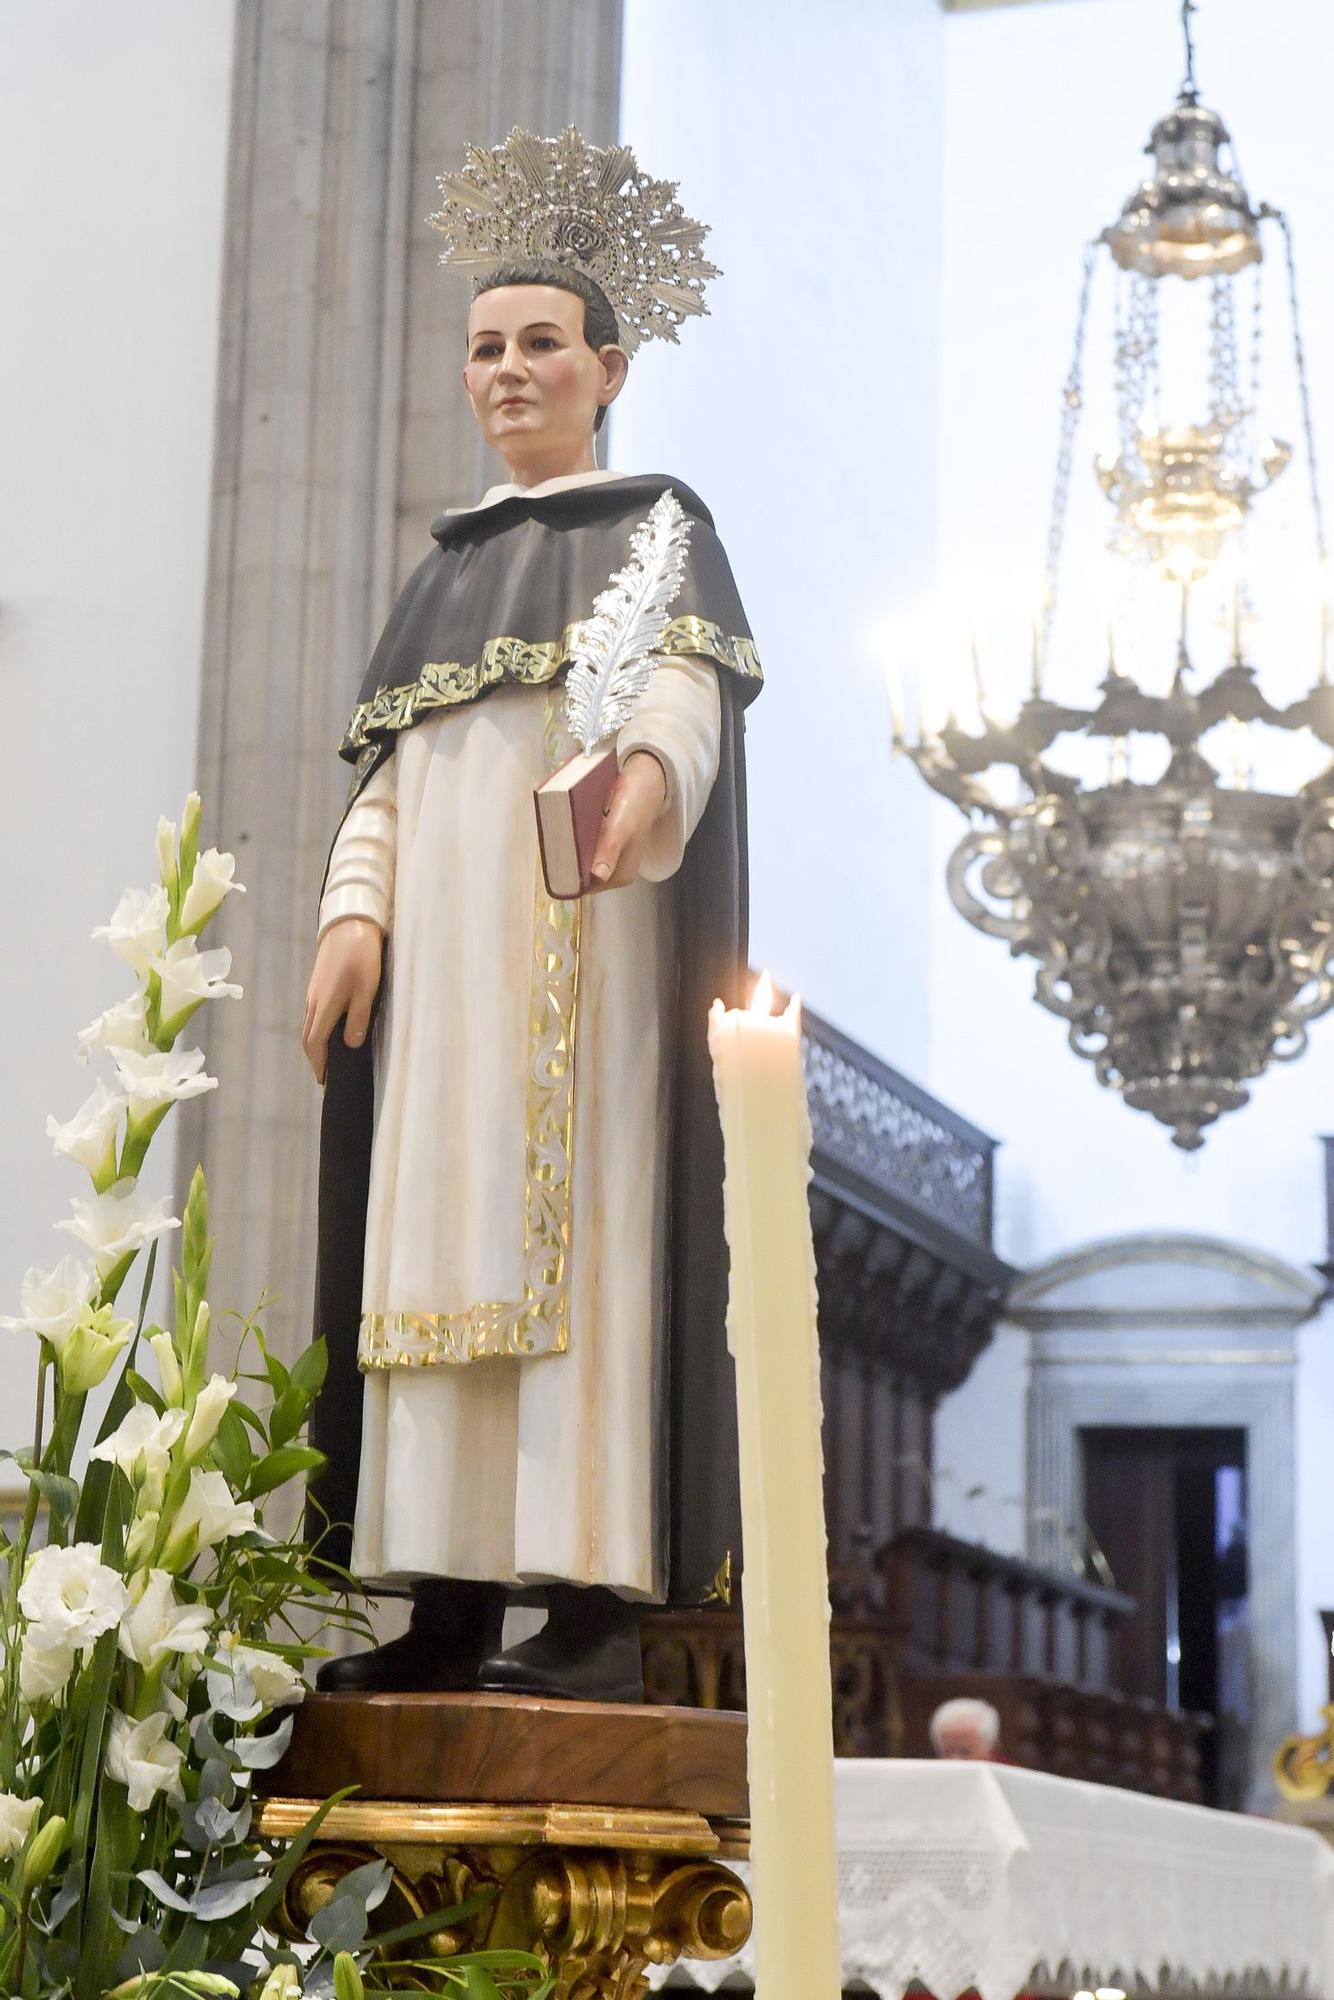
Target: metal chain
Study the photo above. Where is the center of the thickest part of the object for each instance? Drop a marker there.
(1072, 402)
(1224, 371)
(1188, 87)
(1257, 342)
(1304, 389)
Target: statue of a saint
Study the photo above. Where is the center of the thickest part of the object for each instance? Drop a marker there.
(522, 1270)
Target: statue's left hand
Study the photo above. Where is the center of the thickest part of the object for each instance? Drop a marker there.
(638, 799)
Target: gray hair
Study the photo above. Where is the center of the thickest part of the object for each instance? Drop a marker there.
(600, 325)
(966, 1708)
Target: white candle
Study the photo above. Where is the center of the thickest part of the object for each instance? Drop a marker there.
(785, 1588)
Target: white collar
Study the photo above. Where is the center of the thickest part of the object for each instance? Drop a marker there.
(508, 490)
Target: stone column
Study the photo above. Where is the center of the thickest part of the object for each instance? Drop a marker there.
(342, 429)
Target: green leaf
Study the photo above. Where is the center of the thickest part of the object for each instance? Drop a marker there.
(438, 1920)
(287, 1415)
(273, 1367)
(310, 1368)
(145, 1391)
(282, 1465)
(60, 1494)
(233, 1449)
(234, 1942)
(248, 1416)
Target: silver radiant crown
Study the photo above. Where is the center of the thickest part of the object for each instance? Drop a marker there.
(562, 201)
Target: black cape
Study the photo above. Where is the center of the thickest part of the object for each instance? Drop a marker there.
(492, 605)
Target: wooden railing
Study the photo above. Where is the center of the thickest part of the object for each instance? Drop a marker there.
(931, 1618)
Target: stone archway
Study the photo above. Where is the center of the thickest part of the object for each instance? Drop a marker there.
(1167, 1330)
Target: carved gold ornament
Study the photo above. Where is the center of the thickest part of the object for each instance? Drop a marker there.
(598, 1894)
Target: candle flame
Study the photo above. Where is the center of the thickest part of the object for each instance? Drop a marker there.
(762, 999)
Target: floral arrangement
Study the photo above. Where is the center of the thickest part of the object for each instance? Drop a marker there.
(154, 1637)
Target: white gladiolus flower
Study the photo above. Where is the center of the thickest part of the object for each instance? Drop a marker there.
(275, 1680)
(45, 1664)
(51, 1301)
(117, 1222)
(16, 1818)
(214, 878)
(168, 1366)
(89, 1138)
(166, 849)
(138, 928)
(189, 977)
(210, 1513)
(163, 1077)
(210, 1403)
(154, 1624)
(141, 1443)
(124, 1026)
(142, 1539)
(140, 1756)
(72, 1595)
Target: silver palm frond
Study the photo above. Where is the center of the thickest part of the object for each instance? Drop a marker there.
(613, 652)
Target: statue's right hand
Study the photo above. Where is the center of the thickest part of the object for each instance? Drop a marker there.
(345, 980)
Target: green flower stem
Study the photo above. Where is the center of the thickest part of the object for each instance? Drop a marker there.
(138, 1138)
(43, 1363)
(21, 1956)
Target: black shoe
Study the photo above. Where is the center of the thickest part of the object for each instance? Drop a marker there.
(588, 1650)
(455, 1627)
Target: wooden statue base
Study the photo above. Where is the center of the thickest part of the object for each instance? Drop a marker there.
(600, 1830)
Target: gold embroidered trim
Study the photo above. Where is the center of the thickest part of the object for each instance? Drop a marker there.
(523, 663)
(539, 1323)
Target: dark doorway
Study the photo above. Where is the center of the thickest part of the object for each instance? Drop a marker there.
(1167, 1508)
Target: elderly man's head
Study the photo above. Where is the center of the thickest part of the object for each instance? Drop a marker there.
(965, 1728)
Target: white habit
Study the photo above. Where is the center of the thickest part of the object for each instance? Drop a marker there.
(513, 1301)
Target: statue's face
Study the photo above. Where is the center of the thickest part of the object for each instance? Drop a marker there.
(535, 384)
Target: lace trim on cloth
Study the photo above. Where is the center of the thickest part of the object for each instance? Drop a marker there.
(523, 663)
(539, 1323)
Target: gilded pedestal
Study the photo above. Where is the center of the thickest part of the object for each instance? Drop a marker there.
(463, 1794)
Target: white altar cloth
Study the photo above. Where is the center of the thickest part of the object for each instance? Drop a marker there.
(1003, 1880)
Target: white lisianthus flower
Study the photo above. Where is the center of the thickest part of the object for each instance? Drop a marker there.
(124, 1026)
(71, 1594)
(141, 1757)
(51, 1301)
(209, 1514)
(210, 1403)
(214, 878)
(118, 1222)
(154, 1624)
(16, 1818)
(89, 1352)
(166, 1076)
(141, 1443)
(189, 977)
(89, 1137)
(45, 1664)
(275, 1680)
(138, 928)
(168, 1366)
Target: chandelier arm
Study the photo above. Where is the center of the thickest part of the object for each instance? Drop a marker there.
(1303, 386)
(1072, 402)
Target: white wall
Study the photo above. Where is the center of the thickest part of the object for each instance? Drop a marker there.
(113, 136)
(804, 412)
(1047, 108)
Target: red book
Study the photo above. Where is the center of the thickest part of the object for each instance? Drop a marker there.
(571, 807)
